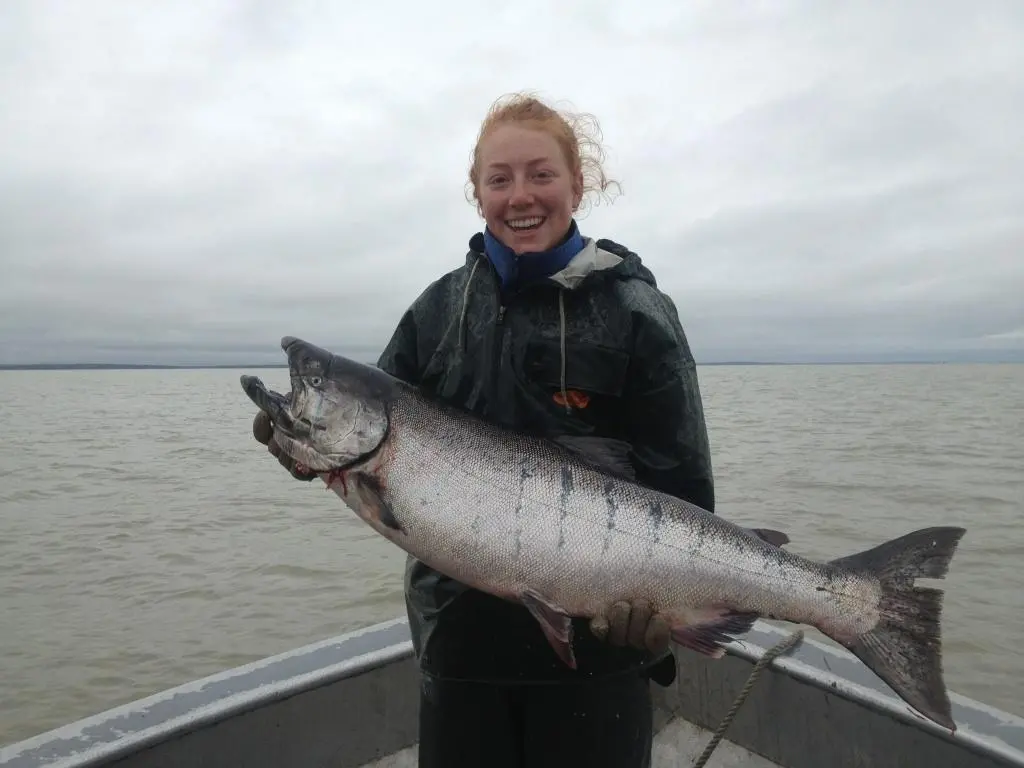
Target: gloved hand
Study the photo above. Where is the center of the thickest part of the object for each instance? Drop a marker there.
(634, 624)
(263, 431)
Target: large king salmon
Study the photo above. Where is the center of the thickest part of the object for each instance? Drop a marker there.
(560, 526)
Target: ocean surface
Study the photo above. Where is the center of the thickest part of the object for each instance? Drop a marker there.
(148, 540)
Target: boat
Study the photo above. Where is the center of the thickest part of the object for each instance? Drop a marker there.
(351, 702)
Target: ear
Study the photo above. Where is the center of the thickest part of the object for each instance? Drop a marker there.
(577, 190)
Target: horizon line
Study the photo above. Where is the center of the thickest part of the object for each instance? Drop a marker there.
(70, 366)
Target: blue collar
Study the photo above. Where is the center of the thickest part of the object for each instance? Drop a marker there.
(519, 270)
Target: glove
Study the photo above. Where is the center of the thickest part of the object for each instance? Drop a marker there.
(634, 624)
(263, 431)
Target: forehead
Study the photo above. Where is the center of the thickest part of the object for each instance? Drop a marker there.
(519, 145)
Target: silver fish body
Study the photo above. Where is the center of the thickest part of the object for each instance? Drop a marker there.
(562, 528)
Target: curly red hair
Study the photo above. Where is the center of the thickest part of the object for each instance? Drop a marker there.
(578, 134)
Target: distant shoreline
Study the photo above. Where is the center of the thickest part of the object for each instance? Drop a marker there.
(126, 366)
(247, 366)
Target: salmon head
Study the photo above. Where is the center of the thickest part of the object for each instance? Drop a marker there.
(336, 413)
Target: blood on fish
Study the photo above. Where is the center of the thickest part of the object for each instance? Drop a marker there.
(339, 475)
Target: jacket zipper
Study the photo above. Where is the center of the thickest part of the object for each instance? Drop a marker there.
(496, 372)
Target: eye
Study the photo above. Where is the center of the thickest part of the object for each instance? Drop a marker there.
(315, 381)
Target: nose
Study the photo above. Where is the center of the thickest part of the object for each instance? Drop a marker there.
(521, 196)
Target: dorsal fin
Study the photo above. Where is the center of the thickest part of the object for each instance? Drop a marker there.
(778, 538)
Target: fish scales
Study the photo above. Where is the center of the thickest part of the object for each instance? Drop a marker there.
(498, 513)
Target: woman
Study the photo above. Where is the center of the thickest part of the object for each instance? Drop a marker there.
(550, 332)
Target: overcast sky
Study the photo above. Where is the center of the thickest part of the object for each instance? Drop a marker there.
(188, 182)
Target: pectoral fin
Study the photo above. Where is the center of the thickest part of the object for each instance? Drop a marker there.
(554, 622)
(709, 633)
(371, 494)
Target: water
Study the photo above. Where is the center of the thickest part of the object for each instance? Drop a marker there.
(147, 539)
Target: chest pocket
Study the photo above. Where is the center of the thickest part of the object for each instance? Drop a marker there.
(595, 379)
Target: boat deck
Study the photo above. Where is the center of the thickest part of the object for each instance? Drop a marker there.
(679, 743)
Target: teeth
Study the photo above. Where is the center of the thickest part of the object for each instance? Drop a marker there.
(525, 223)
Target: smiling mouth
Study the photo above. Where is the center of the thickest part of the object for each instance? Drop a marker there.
(525, 225)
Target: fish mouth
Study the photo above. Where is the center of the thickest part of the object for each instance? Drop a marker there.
(278, 406)
(274, 403)
(291, 434)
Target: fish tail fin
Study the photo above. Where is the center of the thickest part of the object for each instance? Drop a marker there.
(905, 647)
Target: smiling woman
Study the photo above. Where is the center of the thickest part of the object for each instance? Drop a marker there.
(556, 334)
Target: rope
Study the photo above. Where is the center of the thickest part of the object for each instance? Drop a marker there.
(770, 655)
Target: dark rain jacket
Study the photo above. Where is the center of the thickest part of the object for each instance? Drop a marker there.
(598, 334)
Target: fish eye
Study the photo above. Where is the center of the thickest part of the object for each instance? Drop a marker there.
(316, 381)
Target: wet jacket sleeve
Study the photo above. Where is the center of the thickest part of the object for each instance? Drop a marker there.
(666, 415)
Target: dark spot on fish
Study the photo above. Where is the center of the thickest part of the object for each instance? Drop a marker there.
(613, 505)
(655, 521)
(528, 465)
(567, 486)
(658, 516)
(613, 508)
(524, 475)
(567, 482)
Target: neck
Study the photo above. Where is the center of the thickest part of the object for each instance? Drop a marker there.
(519, 269)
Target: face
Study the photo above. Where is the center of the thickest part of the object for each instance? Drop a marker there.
(526, 190)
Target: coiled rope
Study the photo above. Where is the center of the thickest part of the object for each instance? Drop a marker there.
(769, 656)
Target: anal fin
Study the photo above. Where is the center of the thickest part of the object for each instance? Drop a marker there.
(708, 637)
(554, 622)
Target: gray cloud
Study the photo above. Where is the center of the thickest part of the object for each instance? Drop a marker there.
(809, 181)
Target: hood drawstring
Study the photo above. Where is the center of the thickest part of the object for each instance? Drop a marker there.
(561, 318)
(465, 305)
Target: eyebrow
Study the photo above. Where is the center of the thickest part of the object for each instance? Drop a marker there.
(535, 161)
